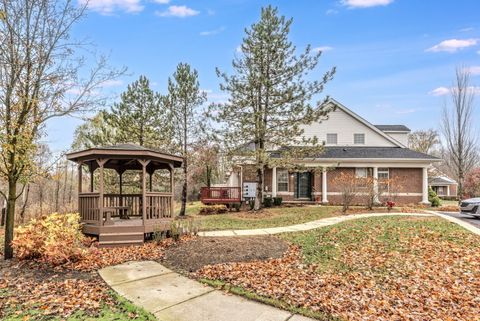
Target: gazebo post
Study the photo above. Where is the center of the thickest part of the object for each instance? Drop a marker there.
(144, 188)
(80, 188)
(100, 163)
(120, 174)
(90, 168)
(172, 186)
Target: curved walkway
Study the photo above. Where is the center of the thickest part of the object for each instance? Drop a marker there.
(305, 226)
(172, 297)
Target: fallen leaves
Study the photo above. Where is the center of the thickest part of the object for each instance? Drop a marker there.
(391, 273)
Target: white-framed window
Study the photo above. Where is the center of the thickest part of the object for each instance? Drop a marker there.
(359, 139)
(332, 139)
(282, 180)
(383, 178)
(361, 174)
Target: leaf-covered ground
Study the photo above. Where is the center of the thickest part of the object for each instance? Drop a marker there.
(394, 268)
(34, 290)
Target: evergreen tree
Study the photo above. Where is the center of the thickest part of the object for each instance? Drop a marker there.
(140, 117)
(94, 132)
(270, 97)
(183, 99)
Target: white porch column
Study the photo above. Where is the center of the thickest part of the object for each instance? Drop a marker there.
(375, 185)
(425, 186)
(448, 190)
(274, 182)
(324, 186)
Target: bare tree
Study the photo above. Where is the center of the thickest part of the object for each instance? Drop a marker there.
(41, 70)
(423, 141)
(458, 136)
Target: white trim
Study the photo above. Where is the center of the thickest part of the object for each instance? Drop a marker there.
(285, 193)
(396, 194)
(274, 181)
(425, 186)
(324, 186)
(364, 121)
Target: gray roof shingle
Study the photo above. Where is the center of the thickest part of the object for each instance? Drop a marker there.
(393, 128)
(369, 152)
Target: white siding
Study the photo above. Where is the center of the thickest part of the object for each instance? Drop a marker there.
(401, 137)
(233, 179)
(345, 126)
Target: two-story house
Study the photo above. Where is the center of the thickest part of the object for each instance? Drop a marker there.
(353, 145)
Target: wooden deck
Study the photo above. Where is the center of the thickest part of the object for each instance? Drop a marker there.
(220, 195)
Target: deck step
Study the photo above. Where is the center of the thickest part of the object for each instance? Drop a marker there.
(120, 243)
(121, 237)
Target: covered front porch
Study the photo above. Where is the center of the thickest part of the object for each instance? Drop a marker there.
(127, 192)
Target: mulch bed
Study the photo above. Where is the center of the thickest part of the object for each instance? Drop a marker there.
(201, 251)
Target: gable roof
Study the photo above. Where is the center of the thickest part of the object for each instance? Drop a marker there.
(364, 121)
(393, 128)
(442, 180)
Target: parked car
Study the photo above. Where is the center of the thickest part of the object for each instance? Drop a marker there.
(471, 206)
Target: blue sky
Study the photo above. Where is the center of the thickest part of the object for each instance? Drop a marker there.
(395, 59)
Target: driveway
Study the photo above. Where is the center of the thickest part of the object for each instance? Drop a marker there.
(465, 218)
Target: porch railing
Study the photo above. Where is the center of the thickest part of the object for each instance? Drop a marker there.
(88, 207)
(220, 195)
(159, 205)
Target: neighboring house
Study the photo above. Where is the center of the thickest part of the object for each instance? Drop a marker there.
(354, 145)
(444, 187)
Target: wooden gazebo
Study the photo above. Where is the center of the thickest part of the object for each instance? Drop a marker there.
(123, 218)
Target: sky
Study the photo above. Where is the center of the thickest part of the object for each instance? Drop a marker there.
(395, 59)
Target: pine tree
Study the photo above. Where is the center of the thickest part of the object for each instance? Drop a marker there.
(140, 117)
(270, 97)
(94, 132)
(183, 99)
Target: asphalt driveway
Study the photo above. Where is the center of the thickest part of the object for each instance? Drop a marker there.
(465, 218)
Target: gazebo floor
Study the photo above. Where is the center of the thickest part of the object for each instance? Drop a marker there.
(123, 232)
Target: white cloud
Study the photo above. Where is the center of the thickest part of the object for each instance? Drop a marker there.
(161, 1)
(178, 11)
(467, 29)
(474, 70)
(440, 91)
(365, 3)
(107, 7)
(478, 52)
(453, 45)
(212, 32)
(331, 12)
(322, 48)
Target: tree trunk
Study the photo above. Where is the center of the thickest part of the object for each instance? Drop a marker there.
(10, 219)
(24, 205)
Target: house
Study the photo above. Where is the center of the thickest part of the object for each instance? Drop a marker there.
(444, 186)
(352, 145)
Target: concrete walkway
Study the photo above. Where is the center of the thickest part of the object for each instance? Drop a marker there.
(172, 297)
(305, 226)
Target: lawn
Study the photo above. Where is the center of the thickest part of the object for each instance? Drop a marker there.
(269, 217)
(390, 268)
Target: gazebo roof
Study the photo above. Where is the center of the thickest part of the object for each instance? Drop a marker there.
(122, 156)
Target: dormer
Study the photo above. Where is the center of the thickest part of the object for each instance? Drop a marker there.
(397, 132)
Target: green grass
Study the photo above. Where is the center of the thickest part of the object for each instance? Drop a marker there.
(124, 310)
(271, 217)
(326, 246)
(270, 301)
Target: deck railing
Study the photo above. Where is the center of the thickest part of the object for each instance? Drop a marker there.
(159, 205)
(220, 195)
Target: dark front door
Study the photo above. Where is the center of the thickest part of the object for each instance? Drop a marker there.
(304, 185)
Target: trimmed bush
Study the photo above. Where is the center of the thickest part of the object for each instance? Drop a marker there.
(55, 239)
(268, 202)
(277, 201)
(433, 198)
(213, 209)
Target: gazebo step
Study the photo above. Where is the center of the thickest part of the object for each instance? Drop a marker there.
(119, 243)
(121, 237)
(121, 229)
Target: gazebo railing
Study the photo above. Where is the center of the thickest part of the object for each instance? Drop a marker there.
(89, 207)
(159, 205)
(118, 201)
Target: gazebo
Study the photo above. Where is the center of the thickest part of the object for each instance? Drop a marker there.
(124, 218)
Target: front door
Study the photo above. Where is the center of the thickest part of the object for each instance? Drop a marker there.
(304, 185)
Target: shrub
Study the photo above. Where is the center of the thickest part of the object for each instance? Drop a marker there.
(433, 198)
(181, 227)
(55, 239)
(213, 209)
(277, 201)
(268, 202)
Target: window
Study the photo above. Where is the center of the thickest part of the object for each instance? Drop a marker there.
(282, 180)
(331, 139)
(359, 139)
(361, 177)
(383, 177)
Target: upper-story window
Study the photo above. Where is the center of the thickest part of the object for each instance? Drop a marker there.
(359, 139)
(332, 139)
